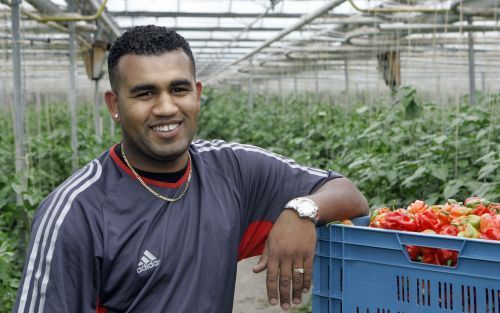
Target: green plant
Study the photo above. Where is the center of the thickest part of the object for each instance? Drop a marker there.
(394, 151)
(48, 163)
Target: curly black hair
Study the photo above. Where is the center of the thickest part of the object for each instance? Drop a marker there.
(145, 40)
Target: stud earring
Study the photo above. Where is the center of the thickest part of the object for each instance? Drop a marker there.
(116, 115)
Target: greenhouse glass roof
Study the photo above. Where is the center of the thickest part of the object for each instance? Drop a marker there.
(333, 42)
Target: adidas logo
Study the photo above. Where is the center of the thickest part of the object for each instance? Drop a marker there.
(148, 261)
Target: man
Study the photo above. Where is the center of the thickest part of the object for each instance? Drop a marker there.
(157, 223)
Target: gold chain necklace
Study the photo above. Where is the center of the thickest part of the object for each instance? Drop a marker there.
(151, 190)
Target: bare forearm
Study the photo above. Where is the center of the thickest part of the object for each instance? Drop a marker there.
(291, 242)
(339, 199)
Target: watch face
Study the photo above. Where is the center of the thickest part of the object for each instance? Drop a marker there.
(307, 207)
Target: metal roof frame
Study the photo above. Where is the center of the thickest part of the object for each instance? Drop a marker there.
(221, 48)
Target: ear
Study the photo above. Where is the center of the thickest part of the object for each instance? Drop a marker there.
(112, 102)
(199, 88)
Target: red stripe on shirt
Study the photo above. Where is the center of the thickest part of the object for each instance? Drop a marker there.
(254, 239)
(100, 309)
(149, 181)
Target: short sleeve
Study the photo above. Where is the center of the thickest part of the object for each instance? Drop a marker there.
(268, 181)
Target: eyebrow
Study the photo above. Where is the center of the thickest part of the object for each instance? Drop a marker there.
(148, 87)
(138, 88)
(179, 82)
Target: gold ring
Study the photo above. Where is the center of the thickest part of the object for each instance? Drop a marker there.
(299, 270)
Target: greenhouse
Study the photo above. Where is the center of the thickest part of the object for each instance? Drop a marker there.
(401, 97)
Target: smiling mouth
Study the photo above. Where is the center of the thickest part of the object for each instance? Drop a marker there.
(166, 128)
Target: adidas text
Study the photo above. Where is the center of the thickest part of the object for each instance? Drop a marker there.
(148, 266)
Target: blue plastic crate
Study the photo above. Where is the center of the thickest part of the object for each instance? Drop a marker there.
(366, 270)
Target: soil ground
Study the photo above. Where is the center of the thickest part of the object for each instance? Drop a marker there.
(250, 294)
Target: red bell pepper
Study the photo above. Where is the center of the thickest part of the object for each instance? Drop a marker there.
(489, 221)
(491, 233)
(481, 209)
(427, 220)
(417, 207)
(398, 220)
(413, 252)
(430, 256)
(485, 221)
(447, 257)
(448, 230)
(378, 214)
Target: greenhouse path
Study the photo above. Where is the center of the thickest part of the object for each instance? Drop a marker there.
(250, 295)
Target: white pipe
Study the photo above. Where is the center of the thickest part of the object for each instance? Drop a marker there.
(115, 30)
(420, 28)
(352, 38)
(46, 7)
(472, 69)
(72, 95)
(301, 22)
(19, 105)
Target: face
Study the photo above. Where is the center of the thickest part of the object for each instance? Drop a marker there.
(158, 102)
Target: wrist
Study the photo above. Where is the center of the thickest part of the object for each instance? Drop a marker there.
(305, 208)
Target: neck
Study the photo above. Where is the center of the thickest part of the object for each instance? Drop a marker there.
(152, 165)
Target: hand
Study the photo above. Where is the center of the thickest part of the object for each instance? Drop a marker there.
(290, 245)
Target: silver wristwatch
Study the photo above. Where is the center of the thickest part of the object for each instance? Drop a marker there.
(305, 208)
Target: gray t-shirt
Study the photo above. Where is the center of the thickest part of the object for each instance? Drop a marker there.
(102, 243)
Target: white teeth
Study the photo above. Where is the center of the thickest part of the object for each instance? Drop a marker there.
(165, 128)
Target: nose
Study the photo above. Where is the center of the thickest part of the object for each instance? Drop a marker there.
(165, 105)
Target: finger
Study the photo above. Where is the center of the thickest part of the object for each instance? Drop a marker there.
(272, 282)
(285, 284)
(307, 277)
(297, 282)
(262, 264)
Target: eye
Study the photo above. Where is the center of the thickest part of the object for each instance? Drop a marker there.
(145, 94)
(179, 89)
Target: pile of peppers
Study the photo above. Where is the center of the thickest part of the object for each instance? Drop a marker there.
(474, 218)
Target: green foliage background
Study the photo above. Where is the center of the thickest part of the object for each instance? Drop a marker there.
(48, 162)
(395, 151)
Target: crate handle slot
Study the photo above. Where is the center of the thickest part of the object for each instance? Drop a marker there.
(431, 256)
(432, 241)
(443, 251)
